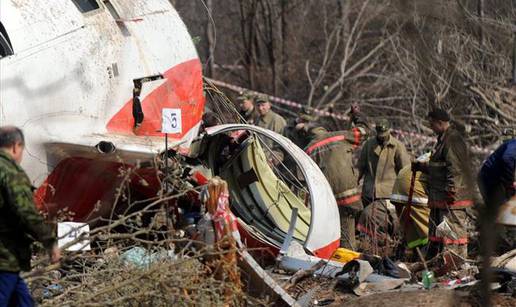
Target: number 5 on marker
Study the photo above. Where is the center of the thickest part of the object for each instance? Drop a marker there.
(171, 121)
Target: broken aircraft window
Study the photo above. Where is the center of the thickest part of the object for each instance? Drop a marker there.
(85, 6)
(6, 49)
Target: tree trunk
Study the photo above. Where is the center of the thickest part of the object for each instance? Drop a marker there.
(514, 59)
(480, 12)
(284, 33)
(210, 34)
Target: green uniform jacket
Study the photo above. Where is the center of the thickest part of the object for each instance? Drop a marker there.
(450, 184)
(272, 121)
(333, 153)
(20, 223)
(380, 166)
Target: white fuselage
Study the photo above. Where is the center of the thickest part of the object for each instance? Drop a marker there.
(71, 73)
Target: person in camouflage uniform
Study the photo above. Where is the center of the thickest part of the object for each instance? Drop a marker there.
(20, 223)
(248, 111)
(333, 153)
(450, 187)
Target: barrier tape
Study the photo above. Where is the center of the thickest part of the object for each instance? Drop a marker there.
(290, 103)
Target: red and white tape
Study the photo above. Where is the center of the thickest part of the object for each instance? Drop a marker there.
(290, 103)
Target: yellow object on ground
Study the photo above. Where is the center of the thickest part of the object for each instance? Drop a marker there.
(344, 255)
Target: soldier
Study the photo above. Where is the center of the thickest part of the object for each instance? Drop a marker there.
(450, 187)
(381, 159)
(20, 223)
(333, 153)
(269, 119)
(247, 108)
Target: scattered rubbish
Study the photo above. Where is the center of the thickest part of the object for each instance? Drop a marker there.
(344, 255)
(387, 267)
(505, 278)
(443, 230)
(359, 276)
(142, 258)
(297, 259)
(459, 281)
(52, 290)
(384, 285)
(452, 262)
(357, 272)
(507, 261)
(324, 302)
(301, 274)
(70, 234)
(307, 298)
(428, 279)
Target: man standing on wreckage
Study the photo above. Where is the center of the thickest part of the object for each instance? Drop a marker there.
(333, 153)
(450, 187)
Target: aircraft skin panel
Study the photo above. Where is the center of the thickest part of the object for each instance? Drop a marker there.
(33, 23)
(182, 89)
(69, 78)
(324, 232)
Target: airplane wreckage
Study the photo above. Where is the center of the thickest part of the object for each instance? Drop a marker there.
(90, 81)
(87, 82)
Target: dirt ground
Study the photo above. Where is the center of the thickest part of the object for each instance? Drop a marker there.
(327, 293)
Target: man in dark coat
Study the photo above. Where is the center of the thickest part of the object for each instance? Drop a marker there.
(450, 187)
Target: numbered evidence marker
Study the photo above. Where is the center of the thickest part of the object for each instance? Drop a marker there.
(171, 121)
(70, 231)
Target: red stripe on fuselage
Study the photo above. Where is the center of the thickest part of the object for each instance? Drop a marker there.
(182, 89)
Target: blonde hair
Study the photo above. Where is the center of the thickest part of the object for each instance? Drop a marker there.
(216, 186)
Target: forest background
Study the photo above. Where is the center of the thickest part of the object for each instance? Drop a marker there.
(396, 58)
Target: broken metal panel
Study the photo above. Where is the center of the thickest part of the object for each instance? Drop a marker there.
(260, 284)
(324, 229)
(266, 198)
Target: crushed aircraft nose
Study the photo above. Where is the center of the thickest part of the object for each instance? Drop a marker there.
(266, 202)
